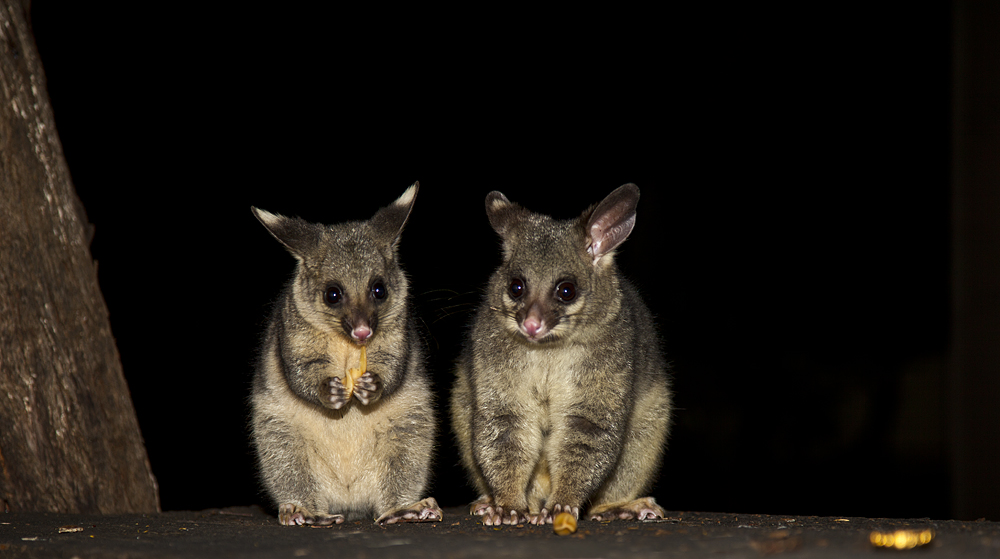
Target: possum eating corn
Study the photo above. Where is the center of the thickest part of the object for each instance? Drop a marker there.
(354, 374)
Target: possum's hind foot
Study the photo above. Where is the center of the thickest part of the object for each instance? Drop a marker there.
(639, 509)
(480, 505)
(291, 515)
(426, 510)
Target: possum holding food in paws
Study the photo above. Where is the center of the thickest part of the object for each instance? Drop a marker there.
(343, 418)
(561, 399)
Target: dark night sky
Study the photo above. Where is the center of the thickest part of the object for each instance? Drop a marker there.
(792, 236)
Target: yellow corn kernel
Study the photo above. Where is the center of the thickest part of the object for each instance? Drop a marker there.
(564, 524)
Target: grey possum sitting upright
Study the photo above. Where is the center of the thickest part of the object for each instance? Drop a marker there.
(331, 446)
(562, 398)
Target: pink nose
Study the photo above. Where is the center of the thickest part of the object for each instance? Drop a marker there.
(531, 326)
(361, 333)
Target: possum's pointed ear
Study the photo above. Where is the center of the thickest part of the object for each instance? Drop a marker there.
(296, 234)
(388, 222)
(610, 223)
(504, 215)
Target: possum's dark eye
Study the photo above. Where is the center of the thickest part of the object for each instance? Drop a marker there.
(566, 291)
(379, 290)
(516, 288)
(333, 295)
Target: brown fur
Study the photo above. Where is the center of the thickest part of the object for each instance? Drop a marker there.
(326, 455)
(575, 414)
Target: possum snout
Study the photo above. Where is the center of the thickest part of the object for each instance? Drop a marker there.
(536, 321)
(360, 327)
(361, 332)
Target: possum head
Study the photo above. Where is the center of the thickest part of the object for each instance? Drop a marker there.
(558, 278)
(347, 279)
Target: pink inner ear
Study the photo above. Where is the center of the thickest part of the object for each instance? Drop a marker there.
(606, 234)
(596, 240)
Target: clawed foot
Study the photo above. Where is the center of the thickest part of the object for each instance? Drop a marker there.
(496, 515)
(291, 515)
(639, 509)
(368, 388)
(426, 510)
(481, 505)
(334, 393)
(549, 512)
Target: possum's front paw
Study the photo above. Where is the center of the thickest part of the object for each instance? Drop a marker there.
(333, 393)
(496, 515)
(548, 513)
(291, 515)
(368, 388)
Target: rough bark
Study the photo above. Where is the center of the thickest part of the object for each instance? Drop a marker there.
(69, 439)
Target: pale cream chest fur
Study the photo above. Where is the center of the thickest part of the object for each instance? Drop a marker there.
(339, 445)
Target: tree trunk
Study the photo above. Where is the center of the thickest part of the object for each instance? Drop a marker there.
(69, 439)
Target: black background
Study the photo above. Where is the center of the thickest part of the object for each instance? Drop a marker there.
(792, 235)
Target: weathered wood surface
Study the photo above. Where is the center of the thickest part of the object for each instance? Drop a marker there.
(249, 532)
(69, 439)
